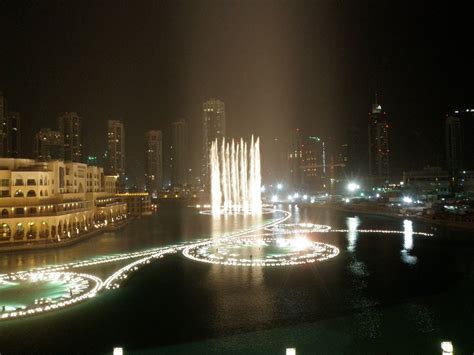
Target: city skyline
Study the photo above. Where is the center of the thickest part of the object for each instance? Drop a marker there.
(236, 177)
(275, 89)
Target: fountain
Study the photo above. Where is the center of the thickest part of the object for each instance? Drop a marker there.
(235, 177)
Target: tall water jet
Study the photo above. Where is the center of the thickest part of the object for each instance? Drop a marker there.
(235, 177)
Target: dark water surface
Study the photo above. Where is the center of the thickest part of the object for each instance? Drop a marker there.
(384, 294)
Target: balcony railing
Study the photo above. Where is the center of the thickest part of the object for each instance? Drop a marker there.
(45, 210)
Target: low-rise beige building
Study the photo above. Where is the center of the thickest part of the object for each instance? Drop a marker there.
(138, 203)
(53, 202)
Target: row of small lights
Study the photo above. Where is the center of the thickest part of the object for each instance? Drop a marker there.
(113, 281)
(300, 228)
(200, 254)
(41, 309)
(381, 231)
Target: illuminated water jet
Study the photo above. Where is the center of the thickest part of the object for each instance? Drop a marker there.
(235, 177)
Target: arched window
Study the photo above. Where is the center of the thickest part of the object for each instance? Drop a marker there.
(31, 193)
(20, 231)
(5, 230)
(41, 193)
(4, 213)
(32, 230)
(44, 231)
(19, 193)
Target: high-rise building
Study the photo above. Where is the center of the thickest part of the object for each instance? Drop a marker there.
(9, 131)
(454, 143)
(355, 153)
(295, 158)
(115, 164)
(179, 155)
(213, 115)
(378, 143)
(13, 136)
(153, 160)
(3, 124)
(69, 124)
(307, 161)
(459, 131)
(48, 145)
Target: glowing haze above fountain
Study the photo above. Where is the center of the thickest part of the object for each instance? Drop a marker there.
(235, 177)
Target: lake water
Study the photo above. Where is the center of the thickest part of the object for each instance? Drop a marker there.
(384, 293)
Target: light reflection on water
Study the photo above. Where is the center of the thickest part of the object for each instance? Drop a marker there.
(408, 243)
(352, 224)
(223, 300)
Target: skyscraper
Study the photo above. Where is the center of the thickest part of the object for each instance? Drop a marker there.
(115, 164)
(9, 130)
(69, 124)
(213, 115)
(13, 136)
(356, 153)
(454, 143)
(378, 144)
(3, 124)
(179, 155)
(48, 144)
(153, 160)
(295, 158)
(459, 131)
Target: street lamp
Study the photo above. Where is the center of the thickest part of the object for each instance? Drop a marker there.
(352, 186)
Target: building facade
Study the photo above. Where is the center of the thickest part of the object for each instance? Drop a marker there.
(153, 161)
(3, 124)
(13, 135)
(48, 145)
(138, 203)
(379, 151)
(214, 125)
(179, 155)
(309, 162)
(115, 164)
(10, 131)
(69, 124)
(52, 203)
(459, 130)
(429, 181)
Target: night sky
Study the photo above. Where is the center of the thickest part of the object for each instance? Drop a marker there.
(276, 64)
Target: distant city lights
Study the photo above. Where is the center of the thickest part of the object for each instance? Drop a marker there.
(352, 186)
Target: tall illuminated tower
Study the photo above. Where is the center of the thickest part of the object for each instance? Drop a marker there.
(213, 116)
(379, 151)
(3, 124)
(115, 148)
(153, 160)
(13, 135)
(179, 158)
(70, 127)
